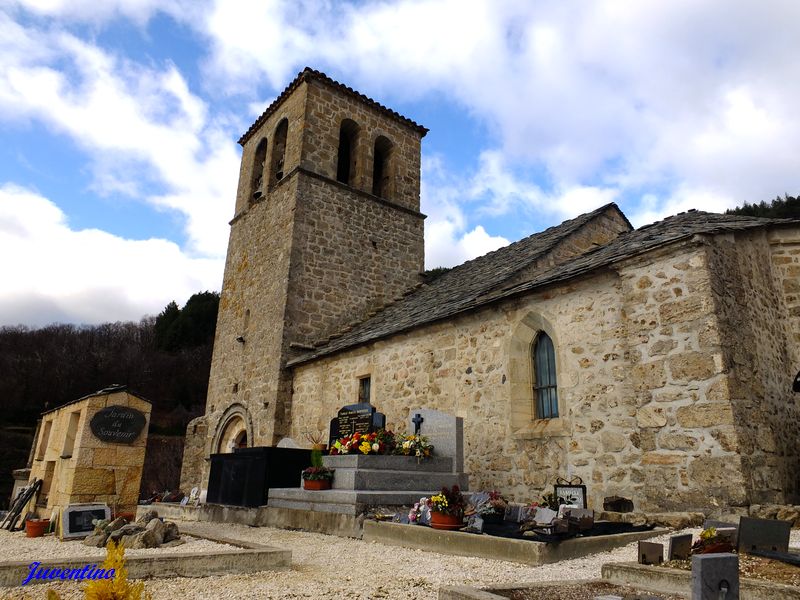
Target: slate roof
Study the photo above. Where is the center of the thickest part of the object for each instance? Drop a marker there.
(309, 74)
(479, 282)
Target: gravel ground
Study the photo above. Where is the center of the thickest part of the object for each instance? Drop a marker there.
(15, 546)
(330, 567)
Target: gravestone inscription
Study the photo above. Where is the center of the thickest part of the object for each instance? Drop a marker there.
(118, 424)
(355, 418)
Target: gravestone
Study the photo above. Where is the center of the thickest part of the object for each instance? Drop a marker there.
(680, 547)
(763, 534)
(118, 424)
(444, 431)
(355, 418)
(650, 553)
(713, 574)
(76, 519)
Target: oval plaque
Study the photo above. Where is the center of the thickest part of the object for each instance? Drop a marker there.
(118, 424)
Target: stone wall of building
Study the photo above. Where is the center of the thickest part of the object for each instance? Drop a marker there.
(644, 395)
(327, 108)
(754, 283)
(307, 255)
(351, 254)
(76, 466)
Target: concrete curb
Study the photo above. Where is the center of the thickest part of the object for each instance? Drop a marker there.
(463, 592)
(677, 581)
(497, 548)
(248, 558)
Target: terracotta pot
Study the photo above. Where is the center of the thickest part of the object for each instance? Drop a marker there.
(715, 548)
(320, 447)
(36, 527)
(316, 484)
(443, 521)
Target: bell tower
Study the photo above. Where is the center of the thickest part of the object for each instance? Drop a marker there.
(326, 229)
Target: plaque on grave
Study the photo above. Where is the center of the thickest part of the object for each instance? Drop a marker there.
(680, 547)
(118, 424)
(763, 534)
(651, 553)
(355, 418)
(572, 495)
(76, 519)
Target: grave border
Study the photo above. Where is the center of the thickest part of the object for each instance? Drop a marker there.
(248, 557)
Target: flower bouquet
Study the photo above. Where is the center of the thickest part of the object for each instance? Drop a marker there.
(420, 513)
(413, 445)
(377, 442)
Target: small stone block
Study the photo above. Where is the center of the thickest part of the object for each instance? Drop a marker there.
(680, 547)
(608, 597)
(713, 574)
(650, 553)
(763, 534)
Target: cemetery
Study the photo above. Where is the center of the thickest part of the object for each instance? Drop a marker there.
(406, 491)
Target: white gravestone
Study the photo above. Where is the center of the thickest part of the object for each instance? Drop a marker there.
(444, 431)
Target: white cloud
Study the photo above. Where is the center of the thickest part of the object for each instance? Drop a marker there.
(142, 126)
(54, 273)
(647, 98)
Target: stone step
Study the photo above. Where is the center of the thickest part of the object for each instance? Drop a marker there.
(438, 464)
(347, 502)
(371, 479)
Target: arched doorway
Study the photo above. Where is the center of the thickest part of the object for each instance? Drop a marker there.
(234, 435)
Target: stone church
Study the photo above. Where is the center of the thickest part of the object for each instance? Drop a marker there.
(654, 363)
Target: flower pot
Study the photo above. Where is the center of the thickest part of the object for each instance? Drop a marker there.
(320, 447)
(316, 484)
(128, 516)
(444, 521)
(36, 527)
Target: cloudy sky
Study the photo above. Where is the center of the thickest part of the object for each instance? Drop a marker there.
(119, 121)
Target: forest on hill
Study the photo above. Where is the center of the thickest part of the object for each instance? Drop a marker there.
(165, 359)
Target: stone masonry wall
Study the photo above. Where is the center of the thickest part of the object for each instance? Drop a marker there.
(252, 306)
(345, 252)
(350, 255)
(643, 401)
(327, 108)
(753, 282)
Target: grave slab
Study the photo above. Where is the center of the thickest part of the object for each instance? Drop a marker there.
(763, 534)
(715, 576)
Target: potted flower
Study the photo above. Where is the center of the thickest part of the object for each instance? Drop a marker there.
(711, 542)
(447, 509)
(493, 509)
(317, 476)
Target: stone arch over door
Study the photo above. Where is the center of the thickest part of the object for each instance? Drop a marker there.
(234, 429)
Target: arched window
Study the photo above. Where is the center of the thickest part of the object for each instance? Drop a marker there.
(257, 184)
(346, 159)
(279, 151)
(545, 390)
(381, 167)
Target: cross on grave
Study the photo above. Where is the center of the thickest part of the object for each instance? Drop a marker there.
(417, 420)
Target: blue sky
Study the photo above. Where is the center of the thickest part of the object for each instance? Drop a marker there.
(119, 121)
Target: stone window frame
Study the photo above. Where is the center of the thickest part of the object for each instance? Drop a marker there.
(233, 412)
(280, 141)
(383, 167)
(523, 420)
(259, 180)
(359, 379)
(350, 131)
